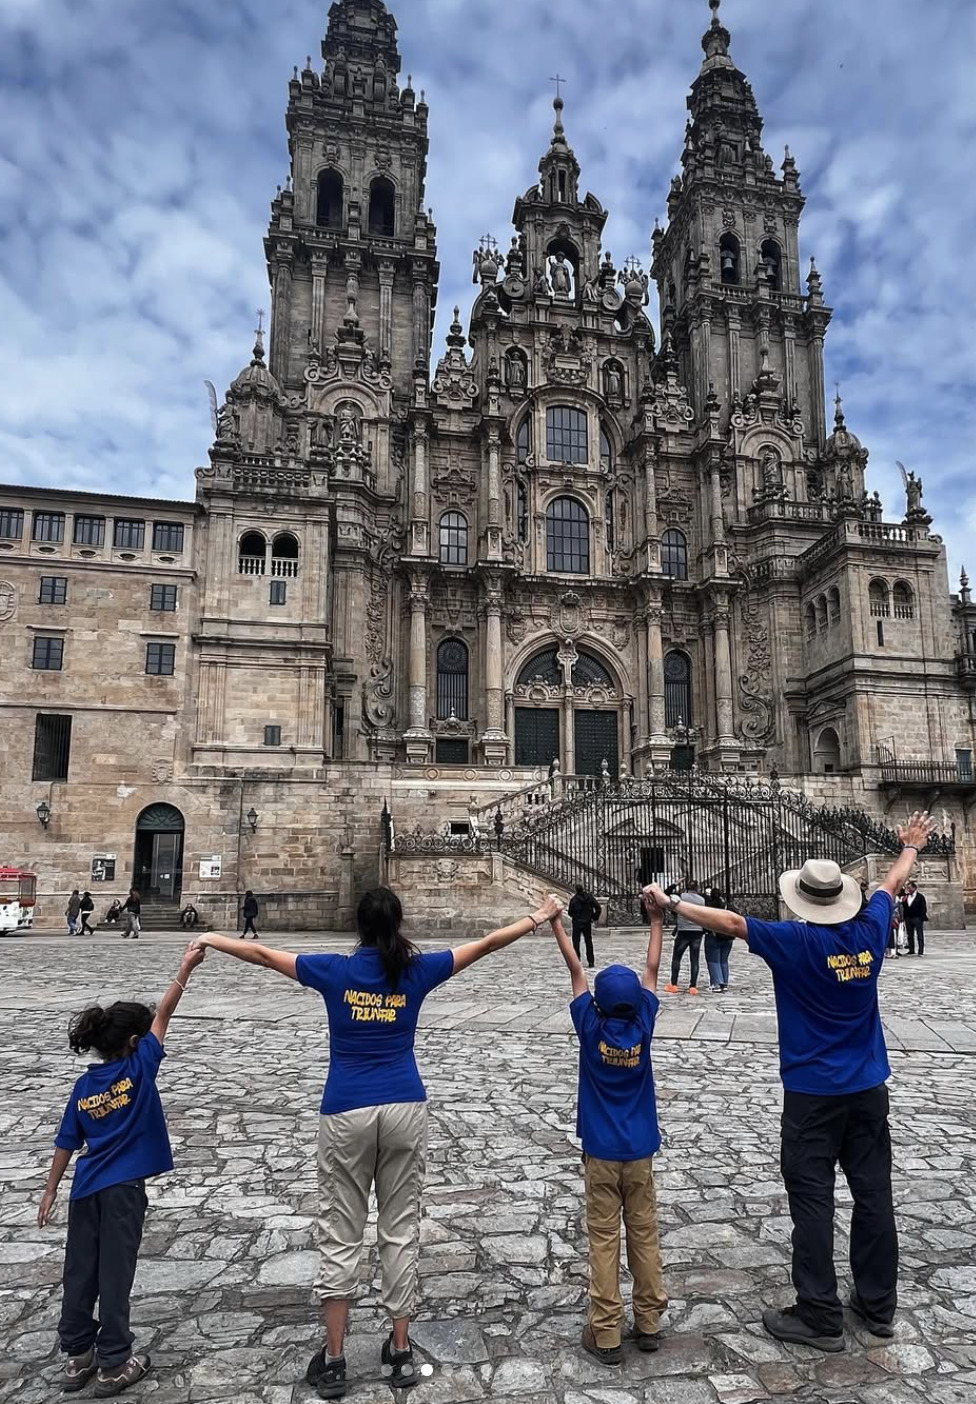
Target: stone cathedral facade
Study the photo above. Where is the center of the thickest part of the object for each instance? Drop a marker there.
(582, 534)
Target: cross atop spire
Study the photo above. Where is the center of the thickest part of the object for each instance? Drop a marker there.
(558, 80)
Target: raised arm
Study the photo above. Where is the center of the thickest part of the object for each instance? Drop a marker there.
(711, 918)
(573, 963)
(496, 940)
(166, 1008)
(653, 962)
(914, 836)
(282, 961)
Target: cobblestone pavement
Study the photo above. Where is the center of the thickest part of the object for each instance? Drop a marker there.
(223, 1297)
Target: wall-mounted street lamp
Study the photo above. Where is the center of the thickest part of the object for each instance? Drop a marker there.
(252, 818)
(44, 814)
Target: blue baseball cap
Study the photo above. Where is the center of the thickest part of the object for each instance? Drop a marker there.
(618, 991)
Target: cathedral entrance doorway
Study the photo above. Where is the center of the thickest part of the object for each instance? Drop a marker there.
(566, 706)
(596, 742)
(158, 867)
(536, 735)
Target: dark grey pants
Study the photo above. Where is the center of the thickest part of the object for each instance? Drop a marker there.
(104, 1234)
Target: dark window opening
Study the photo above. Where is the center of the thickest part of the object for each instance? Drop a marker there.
(129, 535)
(279, 592)
(606, 452)
(162, 598)
(452, 680)
(272, 735)
(677, 689)
(964, 764)
(729, 259)
(451, 752)
(590, 672)
(11, 524)
(523, 441)
(53, 591)
(89, 531)
(161, 659)
(566, 437)
(47, 655)
(523, 513)
(168, 536)
(48, 526)
(881, 642)
(52, 747)
(453, 539)
(382, 208)
(568, 536)
(338, 732)
(544, 668)
(674, 557)
(328, 207)
(608, 514)
(772, 264)
(251, 554)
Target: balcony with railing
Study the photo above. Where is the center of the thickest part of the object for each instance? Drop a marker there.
(966, 669)
(250, 565)
(928, 775)
(283, 566)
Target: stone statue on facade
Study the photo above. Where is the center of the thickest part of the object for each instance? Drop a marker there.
(515, 365)
(614, 381)
(913, 492)
(559, 276)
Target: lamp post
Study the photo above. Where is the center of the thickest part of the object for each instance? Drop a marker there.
(499, 826)
(44, 814)
(252, 818)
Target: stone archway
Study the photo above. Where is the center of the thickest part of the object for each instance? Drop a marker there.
(157, 870)
(568, 706)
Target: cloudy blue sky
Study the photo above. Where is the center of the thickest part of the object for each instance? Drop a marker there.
(141, 144)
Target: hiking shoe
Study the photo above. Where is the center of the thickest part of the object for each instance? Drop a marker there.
(113, 1379)
(327, 1377)
(647, 1340)
(671, 989)
(692, 989)
(787, 1326)
(78, 1370)
(607, 1355)
(401, 1363)
(874, 1324)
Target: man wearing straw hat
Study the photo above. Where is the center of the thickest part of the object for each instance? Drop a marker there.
(834, 1067)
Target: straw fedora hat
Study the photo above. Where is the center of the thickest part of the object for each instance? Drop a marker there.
(819, 892)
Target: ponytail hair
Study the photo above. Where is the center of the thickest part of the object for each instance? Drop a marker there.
(378, 919)
(109, 1030)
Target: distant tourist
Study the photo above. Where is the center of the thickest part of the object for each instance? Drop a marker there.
(687, 938)
(834, 1067)
(915, 913)
(72, 911)
(114, 914)
(584, 910)
(717, 948)
(189, 917)
(250, 913)
(131, 915)
(114, 1112)
(86, 908)
(616, 1120)
(373, 1127)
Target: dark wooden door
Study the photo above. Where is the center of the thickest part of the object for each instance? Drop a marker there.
(536, 735)
(596, 742)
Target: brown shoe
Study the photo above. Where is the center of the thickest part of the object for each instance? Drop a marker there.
(116, 1378)
(647, 1341)
(607, 1355)
(78, 1370)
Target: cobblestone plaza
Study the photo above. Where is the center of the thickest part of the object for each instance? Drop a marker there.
(224, 1297)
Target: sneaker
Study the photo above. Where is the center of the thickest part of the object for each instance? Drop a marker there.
(607, 1355)
(401, 1363)
(671, 989)
(647, 1341)
(874, 1324)
(78, 1370)
(787, 1326)
(692, 990)
(327, 1377)
(115, 1378)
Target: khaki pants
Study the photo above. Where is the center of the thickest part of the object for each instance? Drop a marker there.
(613, 1186)
(385, 1146)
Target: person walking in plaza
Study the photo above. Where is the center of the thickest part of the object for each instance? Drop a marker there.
(834, 1067)
(717, 948)
(373, 1123)
(915, 913)
(114, 1112)
(86, 907)
(687, 938)
(616, 1120)
(250, 913)
(131, 910)
(72, 911)
(583, 910)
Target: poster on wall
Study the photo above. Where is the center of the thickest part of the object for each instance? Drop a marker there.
(103, 867)
(210, 867)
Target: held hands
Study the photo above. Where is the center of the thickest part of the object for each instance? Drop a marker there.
(46, 1208)
(192, 956)
(549, 911)
(653, 895)
(917, 832)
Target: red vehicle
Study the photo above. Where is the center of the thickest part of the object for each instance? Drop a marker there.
(18, 893)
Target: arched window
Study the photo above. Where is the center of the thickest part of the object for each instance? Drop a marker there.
(606, 451)
(610, 522)
(328, 207)
(251, 554)
(568, 536)
(674, 554)
(453, 539)
(566, 435)
(284, 554)
(677, 689)
(810, 616)
(542, 667)
(772, 264)
(522, 510)
(729, 259)
(833, 604)
(822, 614)
(382, 208)
(903, 601)
(826, 753)
(452, 680)
(878, 599)
(588, 671)
(523, 440)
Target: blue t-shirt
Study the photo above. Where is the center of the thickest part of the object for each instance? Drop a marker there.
(616, 1111)
(116, 1113)
(826, 983)
(371, 1027)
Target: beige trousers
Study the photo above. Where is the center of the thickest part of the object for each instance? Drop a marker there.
(385, 1146)
(612, 1187)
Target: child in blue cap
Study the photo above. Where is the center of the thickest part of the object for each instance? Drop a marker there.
(616, 1120)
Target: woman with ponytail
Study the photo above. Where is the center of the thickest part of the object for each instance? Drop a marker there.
(373, 1124)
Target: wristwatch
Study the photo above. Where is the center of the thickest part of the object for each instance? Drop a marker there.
(675, 901)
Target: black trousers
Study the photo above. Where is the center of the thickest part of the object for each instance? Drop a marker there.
(915, 927)
(249, 926)
(104, 1234)
(689, 941)
(583, 933)
(819, 1132)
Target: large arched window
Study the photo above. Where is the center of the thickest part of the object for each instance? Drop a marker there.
(677, 689)
(810, 616)
(328, 205)
(826, 754)
(833, 604)
(566, 439)
(542, 667)
(822, 614)
(568, 536)
(251, 553)
(588, 671)
(879, 599)
(524, 440)
(674, 554)
(284, 554)
(453, 539)
(452, 680)
(902, 601)
(772, 264)
(382, 208)
(729, 259)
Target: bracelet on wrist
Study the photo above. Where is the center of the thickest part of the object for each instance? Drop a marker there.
(913, 846)
(181, 985)
(535, 924)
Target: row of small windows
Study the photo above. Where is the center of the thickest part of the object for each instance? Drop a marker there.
(730, 262)
(128, 533)
(899, 602)
(330, 204)
(47, 656)
(823, 613)
(53, 590)
(253, 556)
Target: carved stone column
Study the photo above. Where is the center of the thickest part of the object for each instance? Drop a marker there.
(494, 742)
(421, 314)
(494, 494)
(320, 272)
(567, 657)
(386, 269)
(642, 695)
(655, 678)
(418, 738)
(724, 716)
(420, 522)
(280, 319)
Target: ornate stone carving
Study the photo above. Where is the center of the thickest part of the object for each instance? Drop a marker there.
(454, 385)
(517, 626)
(378, 705)
(568, 359)
(755, 694)
(568, 617)
(454, 485)
(8, 601)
